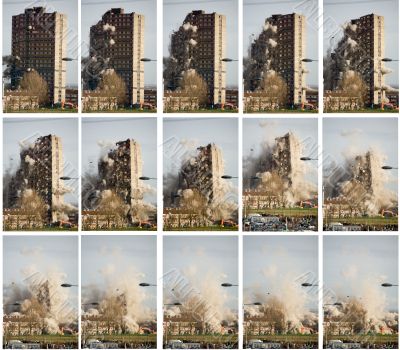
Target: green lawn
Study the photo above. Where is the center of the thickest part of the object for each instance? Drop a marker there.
(45, 110)
(44, 339)
(288, 338)
(124, 338)
(370, 110)
(205, 338)
(370, 220)
(298, 212)
(365, 338)
(201, 228)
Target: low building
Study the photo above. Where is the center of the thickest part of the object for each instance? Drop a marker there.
(176, 101)
(95, 220)
(150, 97)
(71, 96)
(232, 97)
(99, 324)
(96, 101)
(17, 101)
(337, 101)
(17, 219)
(179, 218)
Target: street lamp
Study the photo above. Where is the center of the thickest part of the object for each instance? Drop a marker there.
(145, 59)
(228, 60)
(13, 304)
(144, 284)
(66, 178)
(93, 304)
(307, 158)
(229, 285)
(334, 304)
(257, 303)
(146, 178)
(227, 177)
(308, 60)
(389, 285)
(386, 59)
(174, 304)
(306, 284)
(68, 285)
(388, 167)
(69, 59)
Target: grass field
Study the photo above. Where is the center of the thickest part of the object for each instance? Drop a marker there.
(205, 338)
(44, 339)
(201, 228)
(124, 338)
(286, 211)
(369, 110)
(361, 338)
(371, 221)
(287, 338)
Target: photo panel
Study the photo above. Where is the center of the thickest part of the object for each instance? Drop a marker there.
(280, 174)
(119, 174)
(119, 54)
(280, 56)
(200, 162)
(360, 301)
(280, 292)
(200, 292)
(40, 174)
(40, 292)
(360, 176)
(119, 292)
(361, 55)
(40, 56)
(200, 50)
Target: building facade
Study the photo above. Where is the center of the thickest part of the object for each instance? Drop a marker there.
(118, 39)
(41, 169)
(120, 170)
(281, 47)
(39, 40)
(206, 49)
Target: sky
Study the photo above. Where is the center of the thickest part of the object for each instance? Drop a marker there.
(93, 10)
(68, 7)
(345, 138)
(336, 15)
(195, 132)
(358, 265)
(121, 255)
(175, 13)
(25, 256)
(108, 131)
(29, 129)
(257, 131)
(254, 16)
(275, 264)
(206, 261)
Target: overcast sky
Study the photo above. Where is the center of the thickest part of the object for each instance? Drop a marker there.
(258, 131)
(29, 130)
(186, 134)
(337, 14)
(125, 257)
(67, 7)
(206, 262)
(26, 256)
(345, 138)
(254, 16)
(358, 265)
(93, 10)
(175, 13)
(278, 265)
(109, 131)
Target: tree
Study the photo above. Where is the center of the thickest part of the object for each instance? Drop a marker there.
(113, 209)
(193, 85)
(34, 85)
(274, 88)
(354, 87)
(112, 85)
(33, 206)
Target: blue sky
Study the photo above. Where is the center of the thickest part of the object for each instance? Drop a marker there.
(175, 13)
(108, 131)
(272, 264)
(29, 129)
(93, 10)
(68, 7)
(136, 255)
(257, 131)
(254, 16)
(348, 137)
(24, 256)
(205, 260)
(358, 265)
(336, 15)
